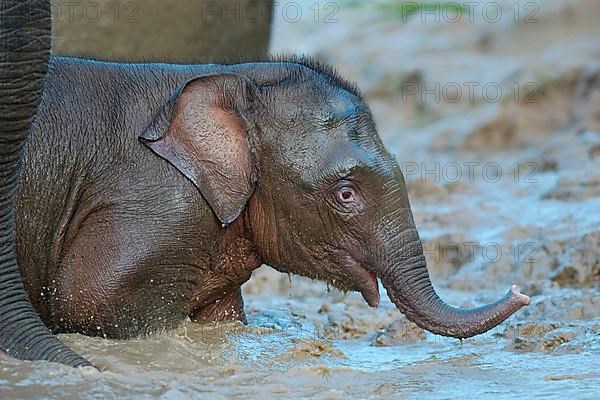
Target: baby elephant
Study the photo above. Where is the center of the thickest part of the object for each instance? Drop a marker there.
(150, 193)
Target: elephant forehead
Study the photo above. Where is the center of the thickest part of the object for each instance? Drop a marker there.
(342, 105)
(318, 149)
(340, 159)
(342, 155)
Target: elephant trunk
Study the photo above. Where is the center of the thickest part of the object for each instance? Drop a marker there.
(408, 285)
(24, 54)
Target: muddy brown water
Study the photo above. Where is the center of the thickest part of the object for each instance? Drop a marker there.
(291, 349)
(542, 212)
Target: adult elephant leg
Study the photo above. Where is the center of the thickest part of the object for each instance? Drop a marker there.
(25, 33)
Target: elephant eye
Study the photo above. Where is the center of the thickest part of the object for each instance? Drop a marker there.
(348, 197)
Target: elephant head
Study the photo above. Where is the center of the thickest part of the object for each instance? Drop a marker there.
(24, 52)
(290, 151)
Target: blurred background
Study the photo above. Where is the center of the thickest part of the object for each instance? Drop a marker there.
(492, 109)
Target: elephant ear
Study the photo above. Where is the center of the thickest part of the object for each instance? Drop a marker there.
(203, 132)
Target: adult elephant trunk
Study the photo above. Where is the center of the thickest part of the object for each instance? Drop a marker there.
(24, 51)
(407, 282)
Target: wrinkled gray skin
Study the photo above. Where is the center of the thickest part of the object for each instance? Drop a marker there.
(151, 192)
(24, 52)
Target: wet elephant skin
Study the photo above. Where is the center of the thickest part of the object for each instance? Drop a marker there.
(150, 192)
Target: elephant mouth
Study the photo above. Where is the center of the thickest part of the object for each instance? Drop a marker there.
(364, 280)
